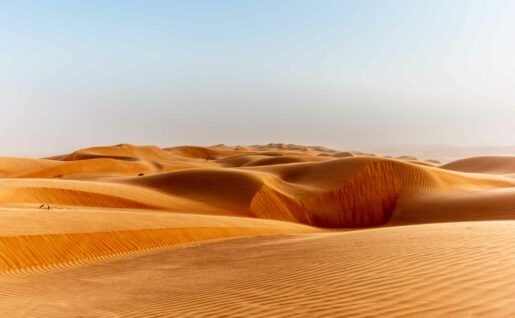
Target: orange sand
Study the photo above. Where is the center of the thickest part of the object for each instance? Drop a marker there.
(335, 247)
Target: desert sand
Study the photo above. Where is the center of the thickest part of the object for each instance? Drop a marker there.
(273, 230)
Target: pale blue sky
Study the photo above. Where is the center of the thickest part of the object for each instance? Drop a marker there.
(346, 74)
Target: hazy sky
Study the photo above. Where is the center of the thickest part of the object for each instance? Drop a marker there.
(339, 73)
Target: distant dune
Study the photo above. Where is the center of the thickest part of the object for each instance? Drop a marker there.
(98, 209)
(485, 164)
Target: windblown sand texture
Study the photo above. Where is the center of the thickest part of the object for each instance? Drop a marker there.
(261, 231)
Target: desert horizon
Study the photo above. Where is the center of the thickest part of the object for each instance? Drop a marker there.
(258, 158)
(441, 152)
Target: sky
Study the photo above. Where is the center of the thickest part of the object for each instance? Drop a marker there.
(345, 74)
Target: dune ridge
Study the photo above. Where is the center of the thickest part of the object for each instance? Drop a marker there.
(28, 251)
(38, 239)
(370, 197)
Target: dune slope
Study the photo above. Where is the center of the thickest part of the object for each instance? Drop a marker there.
(486, 164)
(32, 239)
(451, 270)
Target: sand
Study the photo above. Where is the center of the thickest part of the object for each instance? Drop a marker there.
(261, 231)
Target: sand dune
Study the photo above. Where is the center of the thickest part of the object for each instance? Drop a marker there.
(486, 164)
(450, 270)
(12, 167)
(36, 238)
(101, 210)
(121, 152)
(350, 192)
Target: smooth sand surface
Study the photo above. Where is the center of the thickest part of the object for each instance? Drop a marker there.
(261, 230)
(485, 164)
